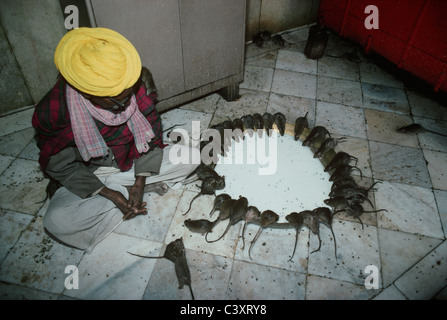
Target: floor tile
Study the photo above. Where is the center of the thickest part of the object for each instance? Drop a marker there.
(185, 120)
(299, 46)
(295, 61)
(16, 292)
(321, 288)
(399, 164)
(385, 98)
(22, 187)
(266, 60)
(252, 49)
(292, 107)
(437, 168)
(294, 84)
(12, 144)
(381, 126)
(16, 122)
(249, 102)
(31, 151)
(411, 209)
(37, 261)
(250, 281)
(274, 248)
(11, 225)
(298, 35)
(441, 200)
(257, 78)
(441, 295)
(5, 162)
(338, 68)
(356, 249)
(209, 278)
(399, 251)
(102, 273)
(205, 104)
(155, 224)
(339, 91)
(390, 293)
(427, 277)
(371, 73)
(338, 45)
(429, 140)
(340, 119)
(423, 106)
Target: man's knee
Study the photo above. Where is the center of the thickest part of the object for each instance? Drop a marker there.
(52, 224)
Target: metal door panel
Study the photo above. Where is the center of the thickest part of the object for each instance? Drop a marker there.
(212, 38)
(153, 27)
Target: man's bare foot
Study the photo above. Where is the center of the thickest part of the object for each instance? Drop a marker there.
(158, 187)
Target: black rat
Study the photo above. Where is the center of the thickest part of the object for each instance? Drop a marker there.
(259, 123)
(268, 122)
(175, 252)
(218, 201)
(317, 133)
(237, 213)
(326, 145)
(209, 186)
(267, 217)
(301, 123)
(339, 159)
(251, 215)
(325, 216)
(296, 220)
(280, 120)
(201, 226)
(416, 128)
(312, 221)
(224, 213)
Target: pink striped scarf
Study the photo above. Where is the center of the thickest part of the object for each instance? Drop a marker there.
(86, 134)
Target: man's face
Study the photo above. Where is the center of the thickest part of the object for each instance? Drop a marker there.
(116, 104)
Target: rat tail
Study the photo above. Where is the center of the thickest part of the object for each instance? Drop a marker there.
(190, 204)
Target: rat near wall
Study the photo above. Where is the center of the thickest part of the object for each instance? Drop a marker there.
(416, 128)
(148, 80)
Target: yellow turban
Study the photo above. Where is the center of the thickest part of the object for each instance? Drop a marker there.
(98, 61)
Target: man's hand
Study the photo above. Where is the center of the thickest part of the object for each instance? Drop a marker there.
(123, 204)
(135, 204)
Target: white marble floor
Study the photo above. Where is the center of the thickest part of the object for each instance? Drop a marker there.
(358, 100)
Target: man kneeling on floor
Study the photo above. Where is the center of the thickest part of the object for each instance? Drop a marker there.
(100, 138)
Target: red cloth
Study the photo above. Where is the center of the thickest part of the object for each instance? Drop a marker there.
(51, 120)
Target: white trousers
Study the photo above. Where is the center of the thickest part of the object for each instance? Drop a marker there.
(82, 223)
